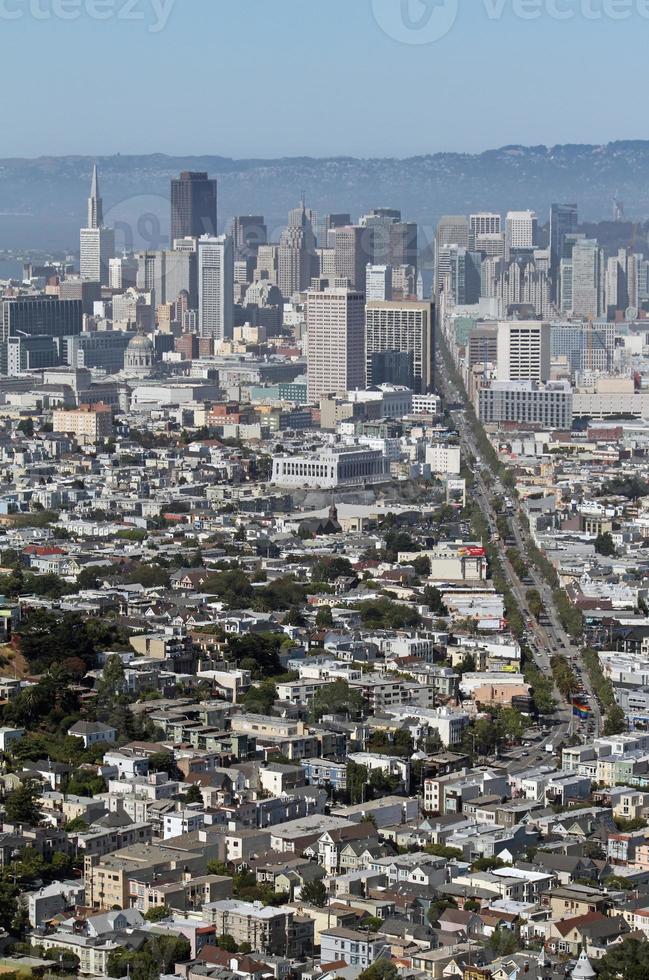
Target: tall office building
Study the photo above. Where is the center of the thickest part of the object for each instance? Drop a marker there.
(404, 328)
(97, 244)
(175, 272)
(588, 279)
(564, 220)
(249, 231)
(122, 272)
(335, 320)
(193, 206)
(452, 229)
(520, 230)
(524, 351)
(485, 223)
(329, 225)
(490, 246)
(458, 273)
(377, 225)
(216, 287)
(97, 248)
(352, 258)
(267, 262)
(326, 263)
(404, 246)
(378, 282)
(297, 260)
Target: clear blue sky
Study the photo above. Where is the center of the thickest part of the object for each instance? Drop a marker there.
(317, 77)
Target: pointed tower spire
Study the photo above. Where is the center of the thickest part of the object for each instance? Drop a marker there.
(95, 209)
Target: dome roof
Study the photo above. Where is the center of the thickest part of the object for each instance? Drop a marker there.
(140, 342)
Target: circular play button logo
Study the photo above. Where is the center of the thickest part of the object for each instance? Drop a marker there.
(415, 21)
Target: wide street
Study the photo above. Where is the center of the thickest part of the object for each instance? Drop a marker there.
(544, 639)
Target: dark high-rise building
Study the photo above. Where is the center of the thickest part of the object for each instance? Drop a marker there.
(46, 316)
(564, 220)
(193, 206)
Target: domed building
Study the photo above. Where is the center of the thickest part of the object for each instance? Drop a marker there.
(139, 356)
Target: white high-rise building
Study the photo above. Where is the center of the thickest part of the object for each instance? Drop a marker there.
(484, 224)
(524, 350)
(216, 287)
(378, 282)
(96, 243)
(97, 248)
(335, 319)
(520, 229)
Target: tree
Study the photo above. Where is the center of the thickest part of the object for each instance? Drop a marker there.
(260, 699)
(421, 566)
(628, 959)
(384, 614)
(380, 970)
(193, 794)
(8, 904)
(604, 544)
(337, 698)
(329, 569)
(315, 893)
(226, 942)
(616, 722)
(157, 913)
(535, 602)
(324, 617)
(78, 826)
(215, 867)
(433, 599)
(21, 806)
(161, 762)
(357, 777)
(26, 426)
(261, 650)
(504, 942)
(156, 957)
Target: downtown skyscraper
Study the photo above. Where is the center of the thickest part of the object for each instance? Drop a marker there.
(193, 206)
(216, 287)
(97, 243)
(297, 253)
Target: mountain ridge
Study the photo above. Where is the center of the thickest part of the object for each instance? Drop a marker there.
(43, 199)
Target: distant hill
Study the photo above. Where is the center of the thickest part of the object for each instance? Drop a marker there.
(42, 201)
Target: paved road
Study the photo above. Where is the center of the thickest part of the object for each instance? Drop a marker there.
(544, 640)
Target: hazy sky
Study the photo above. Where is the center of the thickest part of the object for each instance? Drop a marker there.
(318, 77)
